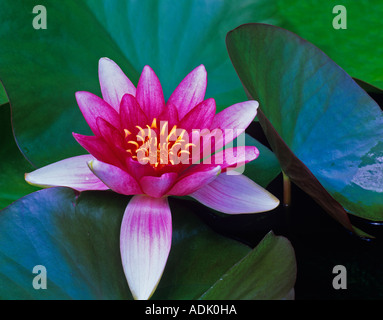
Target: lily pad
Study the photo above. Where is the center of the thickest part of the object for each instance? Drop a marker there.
(3, 95)
(265, 168)
(358, 49)
(249, 278)
(324, 129)
(76, 238)
(41, 69)
(12, 165)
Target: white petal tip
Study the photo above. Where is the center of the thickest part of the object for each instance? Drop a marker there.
(147, 67)
(82, 95)
(274, 202)
(145, 241)
(104, 59)
(266, 201)
(31, 181)
(104, 62)
(255, 103)
(201, 68)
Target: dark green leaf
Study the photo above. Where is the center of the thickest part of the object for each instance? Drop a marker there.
(266, 273)
(3, 95)
(13, 165)
(42, 69)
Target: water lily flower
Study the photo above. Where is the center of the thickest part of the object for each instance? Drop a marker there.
(150, 149)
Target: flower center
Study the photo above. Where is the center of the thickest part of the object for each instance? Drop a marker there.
(157, 146)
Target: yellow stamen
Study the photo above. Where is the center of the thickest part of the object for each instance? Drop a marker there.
(150, 132)
(141, 138)
(142, 131)
(171, 132)
(154, 124)
(174, 145)
(142, 148)
(134, 142)
(182, 134)
(164, 146)
(184, 151)
(127, 132)
(163, 128)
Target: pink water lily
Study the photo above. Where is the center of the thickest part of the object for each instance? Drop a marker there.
(145, 147)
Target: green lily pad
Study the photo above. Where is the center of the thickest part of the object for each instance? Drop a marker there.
(76, 238)
(357, 49)
(265, 168)
(12, 165)
(41, 69)
(3, 95)
(255, 276)
(324, 129)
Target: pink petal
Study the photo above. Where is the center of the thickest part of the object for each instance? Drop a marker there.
(145, 241)
(190, 92)
(232, 158)
(235, 194)
(201, 116)
(131, 114)
(149, 94)
(138, 170)
(72, 172)
(93, 107)
(227, 159)
(158, 186)
(169, 114)
(194, 179)
(115, 178)
(114, 83)
(110, 134)
(99, 148)
(235, 119)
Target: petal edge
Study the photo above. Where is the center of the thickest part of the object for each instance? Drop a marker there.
(145, 242)
(71, 172)
(235, 194)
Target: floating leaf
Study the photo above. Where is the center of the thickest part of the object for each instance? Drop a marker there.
(357, 49)
(265, 168)
(12, 165)
(255, 277)
(76, 238)
(324, 129)
(3, 95)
